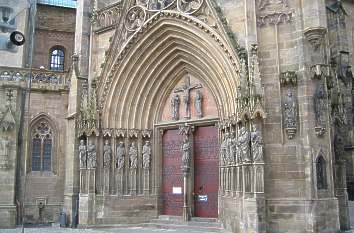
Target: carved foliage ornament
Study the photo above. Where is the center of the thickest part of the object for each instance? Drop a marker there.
(7, 117)
(138, 14)
(274, 12)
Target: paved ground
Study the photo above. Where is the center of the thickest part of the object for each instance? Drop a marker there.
(106, 230)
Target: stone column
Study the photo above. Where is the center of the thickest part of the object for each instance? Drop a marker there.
(106, 181)
(185, 171)
(132, 181)
(87, 200)
(342, 195)
(80, 70)
(83, 181)
(187, 156)
(146, 181)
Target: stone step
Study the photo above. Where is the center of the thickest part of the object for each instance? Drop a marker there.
(185, 227)
(193, 223)
(175, 222)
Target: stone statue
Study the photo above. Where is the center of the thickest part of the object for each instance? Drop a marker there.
(133, 156)
(232, 145)
(186, 153)
(257, 145)
(223, 151)
(175, 107)
(290, 110)
(120, 155)
(244, 144)
(228, 149)
(198, 104)
(146, 155)
(82, 154)
(91, 155)
(320, 105)
(107, 154)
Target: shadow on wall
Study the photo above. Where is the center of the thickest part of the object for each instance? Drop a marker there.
(351, 213)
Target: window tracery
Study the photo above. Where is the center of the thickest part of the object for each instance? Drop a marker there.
(42, 146)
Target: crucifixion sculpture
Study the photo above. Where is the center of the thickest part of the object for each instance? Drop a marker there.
(186, 89)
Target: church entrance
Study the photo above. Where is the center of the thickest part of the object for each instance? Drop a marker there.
(203, 177)
(190, 150)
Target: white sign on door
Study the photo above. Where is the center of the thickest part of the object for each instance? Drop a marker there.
(177, 190)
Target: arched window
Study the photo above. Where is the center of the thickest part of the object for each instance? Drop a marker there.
(321, 173)
(42, 146)
(57, 57)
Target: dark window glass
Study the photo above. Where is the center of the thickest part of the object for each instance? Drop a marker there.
(321, 173)
(47, 154)
(36, 154)
(57, 60)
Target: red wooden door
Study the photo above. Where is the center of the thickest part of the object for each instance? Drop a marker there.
(171, 173)
(206, 171)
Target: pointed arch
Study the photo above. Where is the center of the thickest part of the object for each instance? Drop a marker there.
(156, 62)
(321, 172)
(43, 144)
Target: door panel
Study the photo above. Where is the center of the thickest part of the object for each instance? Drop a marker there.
(206, 173)
(171, 173)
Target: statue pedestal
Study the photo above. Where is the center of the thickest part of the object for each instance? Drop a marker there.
(132, 187)
(87, 199)
(106, 181)
(222, 181)
(83, 180)
(228, 181)
(119, 182)
(146, 182)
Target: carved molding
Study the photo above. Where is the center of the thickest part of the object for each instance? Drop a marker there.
(274, 12)
(288, 78)
(315, 36)
(146, 133)
(133, 133)
(120, 132)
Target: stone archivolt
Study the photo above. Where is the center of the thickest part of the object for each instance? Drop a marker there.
(176, 48)
(177, 40)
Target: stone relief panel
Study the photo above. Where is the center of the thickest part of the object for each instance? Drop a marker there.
(189, 99)
(273, 12)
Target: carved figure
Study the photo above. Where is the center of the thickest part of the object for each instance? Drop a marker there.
(228, 149)
(82, 154)
(175, 107)
(290, 110)
(91, 155)
(133, 156)
(120, 155)
(198, 104)
(146, 155)
(107, 154)
(244, 144)
(232, 145)
(223, 151)
(134, 18)
(186, 89)
(320, 105)
(186, 153)
(257, 145)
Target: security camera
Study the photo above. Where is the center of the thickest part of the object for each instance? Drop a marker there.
(17, 38)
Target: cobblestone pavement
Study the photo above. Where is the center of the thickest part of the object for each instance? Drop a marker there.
(105, 230)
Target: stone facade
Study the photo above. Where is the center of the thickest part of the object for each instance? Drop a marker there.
(274, 78)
